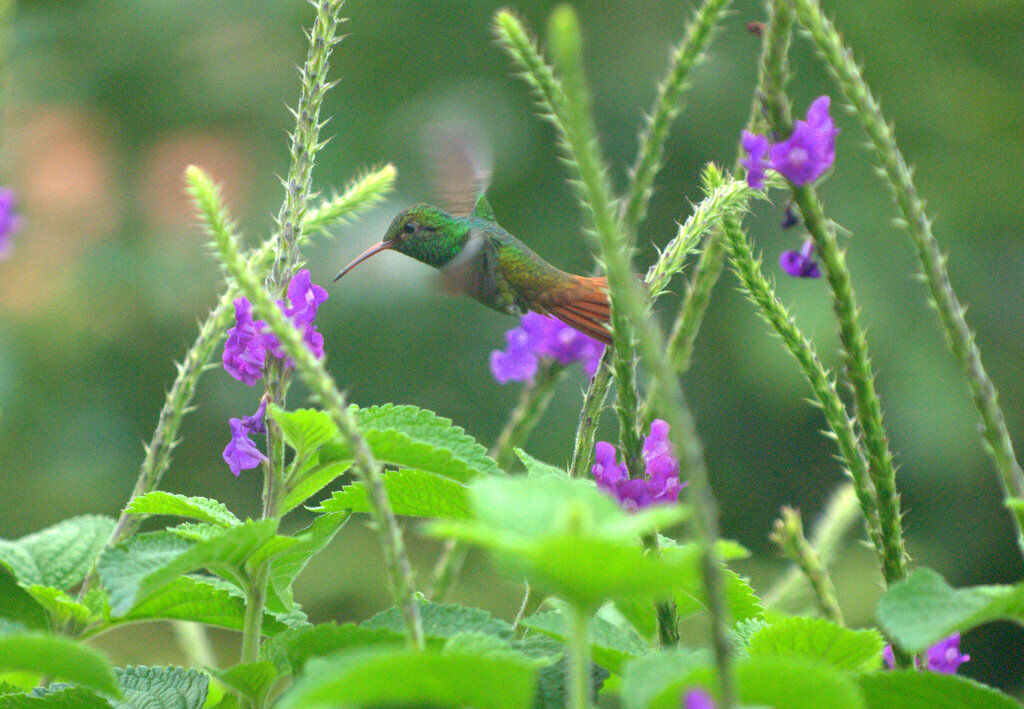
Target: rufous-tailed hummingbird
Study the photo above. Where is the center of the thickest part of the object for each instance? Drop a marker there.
(478, 257)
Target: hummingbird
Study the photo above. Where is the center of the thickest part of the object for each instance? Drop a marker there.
(478, 257)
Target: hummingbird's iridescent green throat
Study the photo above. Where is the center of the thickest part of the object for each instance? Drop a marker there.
(478, 257)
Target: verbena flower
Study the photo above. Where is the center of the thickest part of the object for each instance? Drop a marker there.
(801, 263)
(541, 337)
(698, 699)
(10, 222)
(803, 157)
(241, 452)
(660, 483)
(943, 657)
(248, 342)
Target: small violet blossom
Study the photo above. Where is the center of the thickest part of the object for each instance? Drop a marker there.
(801, 264)
(803, 157)
(541, 337)
(10, 222)
(943, 657)
(698, 699)
(241, 453)
(248, 342)
(660, 483)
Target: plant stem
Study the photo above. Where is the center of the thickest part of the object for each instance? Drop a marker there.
(590, 413)
(788, 534)
(579, 659)
(533, 402)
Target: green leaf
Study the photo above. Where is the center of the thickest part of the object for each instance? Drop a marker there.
(412, 493)
(817, 638)
(407, 677)
(58, 658)
(293, 648)
(61, 697)
(443, 620)
(536, 468)
(17, 606)
(59, 556)
(139, 567)
(910, 689)
(612, 646)
(311, 481)
(646, 678)
(203, 509)
(923, 609)
(410, 437)
(305, 430)
(290, 563)
(60, 605)
(252, 679)
(162, 688)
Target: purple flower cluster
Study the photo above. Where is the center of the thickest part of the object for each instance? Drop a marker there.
(541, 337)
(660, 483)
(241, 453)
(801, 263)
(803, 157)
(698, 699)
(10, 222)
(943, 657)
(249, 342)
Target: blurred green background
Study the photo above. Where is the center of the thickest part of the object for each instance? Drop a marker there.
(106, 101)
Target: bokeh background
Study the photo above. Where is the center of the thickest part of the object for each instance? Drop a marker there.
(106, 101)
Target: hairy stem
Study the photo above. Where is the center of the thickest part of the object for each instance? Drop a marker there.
(788, 534)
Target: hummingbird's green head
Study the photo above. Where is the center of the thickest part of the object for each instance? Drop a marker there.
(426, 233)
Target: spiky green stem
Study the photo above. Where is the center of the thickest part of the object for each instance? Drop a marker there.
(590, 414)
(319, 382)
(788, 534)
(897, 177)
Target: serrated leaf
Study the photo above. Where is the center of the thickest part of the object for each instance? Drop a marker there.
(410, 437)
(923, 609)
(612, 646)
(59, 556)
(59, 604)
(293, 648)
(253, 679)
(910, 689)
(305, 430)
(537, 468)
(412, 493)
(817, 638)
(63, 697)
(137, 568)
(475, 643)
(161, 688)
(312, 481)
(195, 531)
(59, 658)
(407, 677)
(202, 509)
(443, 620)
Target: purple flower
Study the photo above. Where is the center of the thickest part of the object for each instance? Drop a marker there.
(801, 263)
(803, 157)
(241, 453)
(10, 222)
(698, 699)
(943, 657)
(660, 483)
(541, 337)
(248, 342)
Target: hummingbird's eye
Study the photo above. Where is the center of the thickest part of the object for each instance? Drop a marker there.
(409, 228)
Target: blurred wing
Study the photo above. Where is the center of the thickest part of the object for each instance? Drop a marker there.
(474, 271)
(460, 165)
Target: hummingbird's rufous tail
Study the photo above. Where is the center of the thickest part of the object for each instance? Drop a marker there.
(584, 307)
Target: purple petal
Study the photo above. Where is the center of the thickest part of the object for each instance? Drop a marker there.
(889, 657)
(756, 147)
(698, 699)
(810, 150)
(245, 348)
(10, 222)
(607, 470)
(945, 656)
(797, 264)
(516, 363)
(241, 453)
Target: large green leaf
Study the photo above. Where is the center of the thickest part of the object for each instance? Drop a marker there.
(251, 679)
(910, 689)
(313, 478)
(410, 437)
(817, 638)
(293, 648)
(923, 609)
(59, 556)
(612, 646)
(203, 509)
(161, 688)
(139, 567)
(407, 677)
(412, 493)
(57, 657)
(444, 620)
(305, 430)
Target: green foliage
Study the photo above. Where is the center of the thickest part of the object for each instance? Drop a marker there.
(292, 649)
(58, 697)
(402, 676)
(311, 479)
(252, 679)
(58, 658)
(910, 689)
(305, 430)
(817, 638)
(611, 645)
(59, 604)
(202, 600)
(924, 609)
(288, 564)
(17, 605)
(58, 556)
(537, 468)
(161, 688)
(444, 620)
(645, 678)
(413, 493)
(202, 509)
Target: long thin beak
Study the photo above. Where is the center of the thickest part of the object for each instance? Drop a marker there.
(376, 248)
